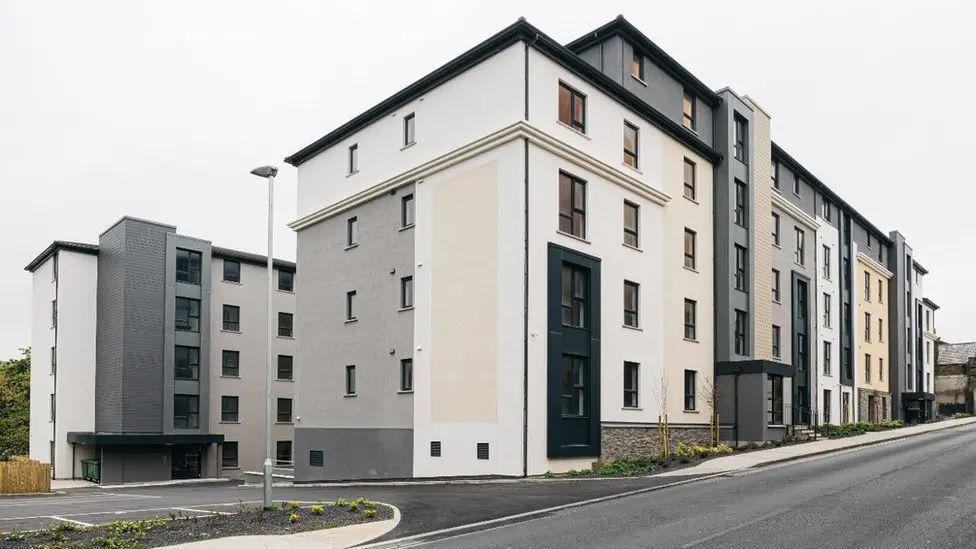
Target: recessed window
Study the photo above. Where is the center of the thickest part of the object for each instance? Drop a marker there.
(631, 224)
(630, 144)
(316, 458)
(286, 281)
(572, 205)
(867, 368)
(690, 185)
(631, 379)
(232, 270)
(54, 407)
(186, 362)
(881, 370)
(691, 319)
(867, 327)
(232, 318)
(689, 111)
(408, 213)
(826, 310)
(283, 453)
(799, 255)
(406, 374)
(881, 329)
(353, 158)
(230, 363)
(827, 357)
(350, 380)
(741, 202)
(351, 305)
(286, 367)
(352, 231)
(826, 262)
(574, 296)
(739, 150)
(188, 266)
(572, 108)
(229, 408)
(867, 286)
(740, 333)
(691, 380)
(776, 228)
(54, 360)
(54, 312)
(774, 399)
(826, 210)
(406, 292)
(284, 410)
(186, 412)
(741, 261)
(776, 294)
(409, 125)
(228, 455)
(691, 253)
(777, 352)
(187, 314)
(286, 324)
(574, 391)
(631, 299)
(637, 65)
(776, 175)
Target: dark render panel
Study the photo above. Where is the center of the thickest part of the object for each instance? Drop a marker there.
(350, 454)
(108, 330)
(135, 464)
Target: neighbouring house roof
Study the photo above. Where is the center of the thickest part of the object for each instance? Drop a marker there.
(956, 353)
(80, 247)
(247, 257)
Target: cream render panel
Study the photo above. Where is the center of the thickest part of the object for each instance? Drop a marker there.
(878, 344)
(762, 233)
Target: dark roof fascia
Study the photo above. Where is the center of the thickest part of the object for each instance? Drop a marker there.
(780, 155)
(143, 439)
(620, 26)
(919, 267)
(932, 305)
(79, 247)
(254, 259)
(524, 31)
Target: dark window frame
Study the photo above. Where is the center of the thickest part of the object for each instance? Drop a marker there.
(283, 453)
(632, 157)
(408, 211)
(741, 269)
(777, 343)
(574, 312)
(286, 324)
(190, 274)
(284, 409)
(231, 276)
(406, 293)
(632, 234)
(689, 119)
(632, 314)
(352, 231)
(230, 460)
(574, 98)
(409, 129)
(286, 281)
(353, 159)
(777, 224)
(741, 204)
(192, 321)
(406, 375)
(740, 140)
(192, 418)
(691, 258)
(576, 215)
(191, 366)
(574, 397)
(230, 409)
(228, 324)
(225, 354)
(691, 319)
(285, 370)
(631, 385)
(774, 399)
(637, 61)
(690, 390)
(740, 333)
(350, 384)
(690, 188)
(350, 306)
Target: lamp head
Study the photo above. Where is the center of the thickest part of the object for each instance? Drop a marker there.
(265, 171)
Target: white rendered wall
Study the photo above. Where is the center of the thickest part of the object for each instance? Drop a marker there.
(828, 235)
(41, 379)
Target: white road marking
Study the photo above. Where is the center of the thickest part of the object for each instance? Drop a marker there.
(189, 510)
(76, 522)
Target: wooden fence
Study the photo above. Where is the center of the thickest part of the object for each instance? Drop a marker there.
(24, 476)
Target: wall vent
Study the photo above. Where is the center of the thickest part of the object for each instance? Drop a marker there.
(435, 448)
(482, 450)
(316, 458)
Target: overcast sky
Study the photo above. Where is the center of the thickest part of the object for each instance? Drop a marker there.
(159, 110)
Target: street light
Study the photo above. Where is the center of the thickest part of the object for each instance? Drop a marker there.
(269, 173)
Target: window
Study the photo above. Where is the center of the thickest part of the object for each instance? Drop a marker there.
(796, 184)
(867, 368)
(867, 286)
(406, 374)
(186, 412)
(406, 292)
(800, 254)
(631, 378)
(691, 188)
(286, 281)
(573, 397)
(689, 111)
(284, 410)
(741, 197)
(740, 139)
(740, 333)
(691, 319)
(232, 318)
(867, 327)
(54, 312)
(232, 270)
(187, 314)
(928, 351)
(631, 224)
(316, 458)
(186, 362)
(631, 305)
(188, 266)
(826, 357)
(880, 291)
(777, 352)
(826, 210)
(286, 323)
(574, 296)
(572, 108)
(928, 320)
(409, 132)
(774, 399)
(880, 369)
(776, 294)
(353, 158)
(826, 310)
(228, 455)
(881, 329)
(283, 453)
(572, 205)
(740, 268)
(690, 386)
(229, 408)
(230, 363)
(351, 305)
(846, 275)
(352, 232)
(54, 360)
(54, 407)
(408, 212)
(630, 144)
(846, 321)
(690, 253)
(826, 262)
(286, 367)
(776, 228)
(350, 380)
(637, 65)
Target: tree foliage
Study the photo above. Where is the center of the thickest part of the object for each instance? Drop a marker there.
(15, 405)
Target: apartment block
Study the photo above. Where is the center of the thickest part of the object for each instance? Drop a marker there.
(150, 350)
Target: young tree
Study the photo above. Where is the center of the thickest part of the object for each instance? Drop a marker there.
(663, 428)
(15, 405)
(711, 393)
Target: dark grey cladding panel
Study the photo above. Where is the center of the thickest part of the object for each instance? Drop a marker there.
(109, 329)
(354, 453)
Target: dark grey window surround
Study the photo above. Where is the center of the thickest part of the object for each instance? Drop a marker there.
(187, 314)
(188, 265)
(186, 362)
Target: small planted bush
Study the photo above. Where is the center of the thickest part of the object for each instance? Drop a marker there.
(369, 513)
(317, 509)
(293, 518)
(341, 502)
(292, 505)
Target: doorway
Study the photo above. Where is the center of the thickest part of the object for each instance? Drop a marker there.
(186, 462)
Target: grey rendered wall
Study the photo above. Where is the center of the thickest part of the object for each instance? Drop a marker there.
(375, 343)
(135, 464)
(354, 453)
(898, 359)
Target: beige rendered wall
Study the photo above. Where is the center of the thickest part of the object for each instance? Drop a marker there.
(877, 347)
(762, 231)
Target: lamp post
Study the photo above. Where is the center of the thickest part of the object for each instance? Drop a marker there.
(269, 173)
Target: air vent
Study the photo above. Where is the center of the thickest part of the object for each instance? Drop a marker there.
(482, 450)
(435, 448)
(316, 458)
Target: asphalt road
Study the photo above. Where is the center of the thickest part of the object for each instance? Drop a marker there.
(917, 492)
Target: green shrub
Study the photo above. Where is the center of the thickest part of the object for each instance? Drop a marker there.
(354, 507)
(317, 509)
(293, 518)
(341, 502)
(548, 474)
(369, 513)
(292, 505)
(274, 507)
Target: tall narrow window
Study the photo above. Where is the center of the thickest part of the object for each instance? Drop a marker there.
(881, 369)
(283, 453)
(740, 333)
(690, 185)
(406, 292)
(631, 379)
(228, 455)
(572, 108)
(691, 255)
(800, 254)
(776, 342)
(351, 305)
(774, 399)
(54, 407)
(187, 314)
(826, 406)
(350, 380)
(572, 205)
(741, 199)
(827, 357)
(826, 210)
(284, 410)
(775, 175)
(867, 286)
(689, 111)
(776, 293)
(741, 283)
(286, 323)
(352, 232)
(881, 329)
(691, 320)
(186, 412)
(573, 398)
(286, 367)
(637, 65)
(776, 228)
(631, 224)
(631, 299)
(232, 270)
(188, 266)
(846, 321)
(54, 360)
(826, 310)
(230, 363)
(867, 368)
(739, 151)
(574, 296)
(231, 318)
(353, 158)
(796, 184)
(406, 374)
(409, 129)
(867, 327)
(630, 144)
(407, 211)
(691, 377)
(826, 262)
(286, 281)
(186, 362)
(229, 406)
